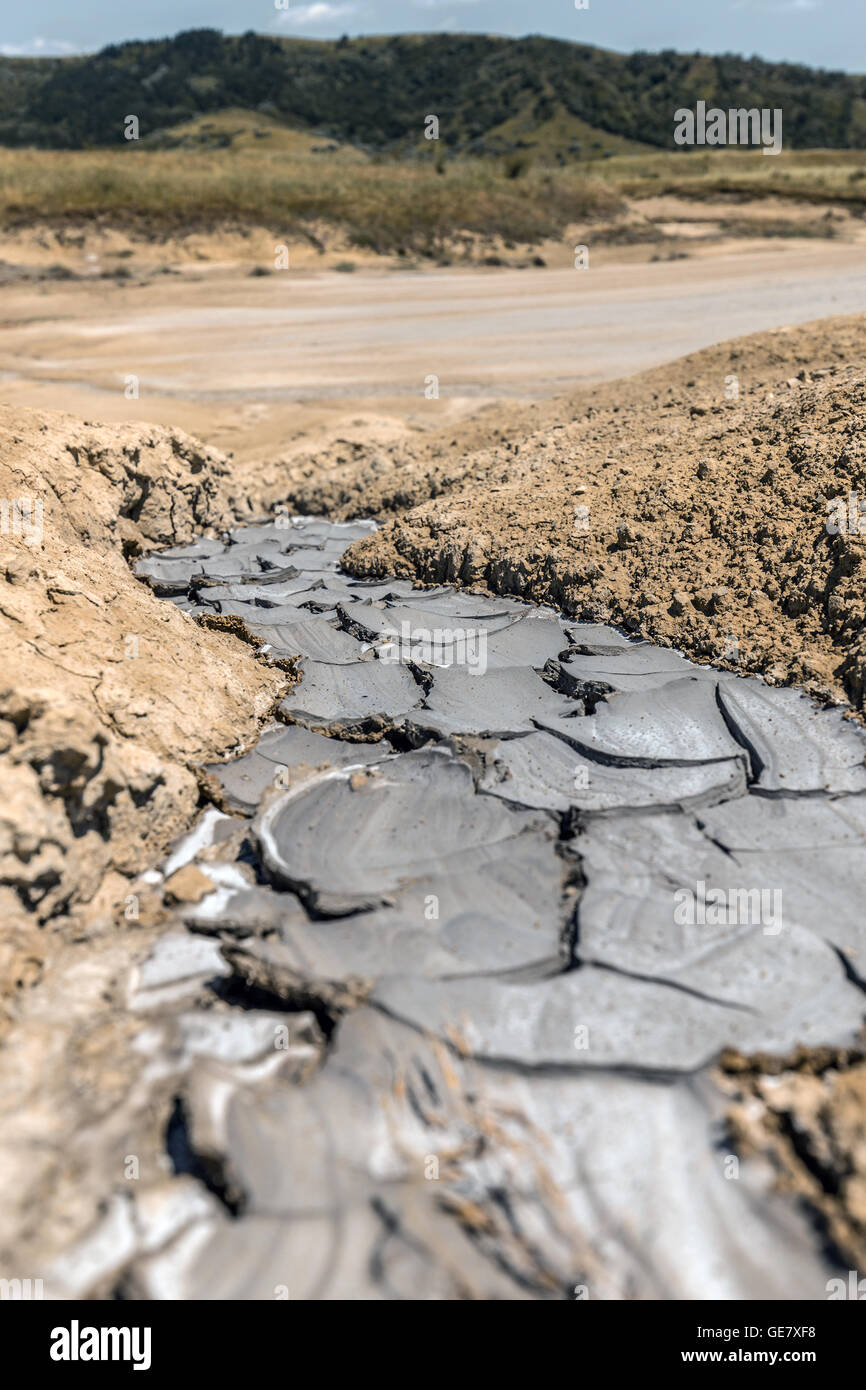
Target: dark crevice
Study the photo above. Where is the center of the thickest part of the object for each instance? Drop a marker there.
(415, 1105)
(347, 622)
(630, 1070)
(670, 984)
(421, 676)
(852, 975)
(399, 740)
(547, 968)
(392, 1230)
(543, 1282)
(134, 508)
(756, 762)
(800, 1143)
(367, 728)
(585, 693)
(575, 882)
(711, 839)
(429, 1084)
(245, 994)
(212, 1170)
(805, 794)
(595, 755)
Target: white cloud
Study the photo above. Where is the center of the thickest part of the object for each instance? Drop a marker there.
(320, 12)
(39, 48)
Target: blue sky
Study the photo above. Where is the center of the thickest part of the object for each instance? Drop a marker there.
(825, 33)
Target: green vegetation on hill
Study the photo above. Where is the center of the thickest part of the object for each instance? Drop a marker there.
(493, 96)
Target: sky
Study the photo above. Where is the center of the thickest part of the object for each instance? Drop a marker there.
(821, 33)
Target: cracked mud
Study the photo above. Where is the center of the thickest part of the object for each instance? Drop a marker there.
(453, 961)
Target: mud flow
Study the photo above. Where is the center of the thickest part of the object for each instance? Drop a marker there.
(456, 947)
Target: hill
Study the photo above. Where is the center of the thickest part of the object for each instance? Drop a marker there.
(492, 95)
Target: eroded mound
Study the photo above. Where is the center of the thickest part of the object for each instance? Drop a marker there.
(689, 504)
(103, 710)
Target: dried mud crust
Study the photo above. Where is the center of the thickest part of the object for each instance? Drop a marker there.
(805, 1114)
(420, 920)
(706, 515)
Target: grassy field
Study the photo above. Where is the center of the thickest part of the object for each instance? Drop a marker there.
(245, 169)
(815, 176)
(240, 170)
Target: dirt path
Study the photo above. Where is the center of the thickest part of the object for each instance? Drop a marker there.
(253, 364)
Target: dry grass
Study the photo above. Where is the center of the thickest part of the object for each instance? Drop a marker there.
(242, 168)
(818, 176)
(279, 179)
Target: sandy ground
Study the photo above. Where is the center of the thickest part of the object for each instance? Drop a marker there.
(259, 365)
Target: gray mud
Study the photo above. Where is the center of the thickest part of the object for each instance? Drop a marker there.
(487, 903)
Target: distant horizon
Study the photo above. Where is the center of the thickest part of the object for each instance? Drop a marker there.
(42, 54)
(828, 35)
